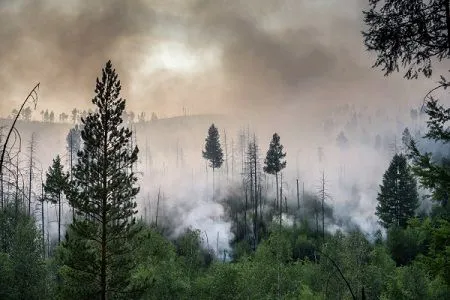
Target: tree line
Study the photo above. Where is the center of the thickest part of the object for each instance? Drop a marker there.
(107, 253)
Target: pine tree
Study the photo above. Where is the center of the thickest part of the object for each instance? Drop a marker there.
(96, 255)
(398, 198)
(213, 151)
(274, 163)
(56, 183)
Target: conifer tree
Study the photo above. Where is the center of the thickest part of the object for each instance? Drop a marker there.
(398, 198)
(274, 163)
(96, 256)
(56, 183)
(408, 33)
(213, 151)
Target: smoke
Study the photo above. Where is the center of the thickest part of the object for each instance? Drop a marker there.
(203, 56)
(287, 66)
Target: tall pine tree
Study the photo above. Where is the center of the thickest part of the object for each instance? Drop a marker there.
(55, 184)
(398, 198)
(274, 163)
(213, 151)
(96, 255)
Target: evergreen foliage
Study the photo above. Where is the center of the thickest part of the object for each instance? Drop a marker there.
(96, 255)
(408, 34)
(274, 162)
(22, 269)
(213, 151)
(56, 183)
(398, 197)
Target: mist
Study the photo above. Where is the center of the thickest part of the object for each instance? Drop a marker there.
(290, 67)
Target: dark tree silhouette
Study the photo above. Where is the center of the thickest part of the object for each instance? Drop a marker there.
(213, 151)
(102, 193)
(55, 184)
(398, 198)
(408, 34)
(274, 163)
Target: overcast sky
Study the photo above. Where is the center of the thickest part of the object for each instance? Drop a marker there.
(210, 56)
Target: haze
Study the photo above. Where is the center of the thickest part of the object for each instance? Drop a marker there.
(283, 66)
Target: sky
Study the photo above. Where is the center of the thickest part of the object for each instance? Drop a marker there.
(247, 57)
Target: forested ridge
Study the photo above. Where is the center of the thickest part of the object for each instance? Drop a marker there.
(283, 242)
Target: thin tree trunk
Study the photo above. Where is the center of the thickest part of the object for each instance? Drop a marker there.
(323, 205)
(30, 177)
(59, 218)
(232, 159)
(157, 207)
(245, 213)
(1, 190)
(298, 197)
(256, 192)
(226, 153)
(42, 217)
(281, 198)
(276, 183)
(217, 244)
(16, 199)
(71, 168)
(104, 216)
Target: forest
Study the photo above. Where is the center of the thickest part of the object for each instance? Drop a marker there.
(129, 209)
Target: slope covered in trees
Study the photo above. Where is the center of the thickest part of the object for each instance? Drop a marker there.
(276, 247)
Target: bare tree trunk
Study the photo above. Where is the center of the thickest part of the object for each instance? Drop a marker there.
(276, 183)
(298, 197)
(232, 159)
(71, 167)
(323, 205)
(226, 152)
(252, 194)
(217, 244)
(281, 198)
(245, 213)
(42, 217)
(30, 182)
(104, 220)
(256, 189)
(16, 198)
(32, 95)
(157, 207)
(59, 218)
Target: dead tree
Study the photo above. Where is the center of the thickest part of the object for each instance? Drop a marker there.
(31, 96)
(323, 196)
(253, 179)
(226, 153)
(31, 167)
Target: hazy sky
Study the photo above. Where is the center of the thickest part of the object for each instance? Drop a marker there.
(231, 56)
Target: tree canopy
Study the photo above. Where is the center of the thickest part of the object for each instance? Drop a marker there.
(97, 253)
(274, 162)
(408, 34)
(213, 151)
(398, 198)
